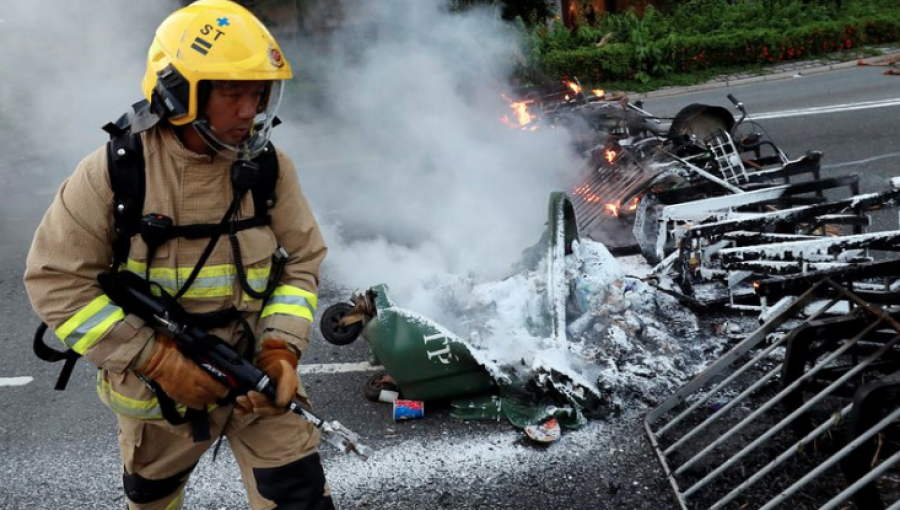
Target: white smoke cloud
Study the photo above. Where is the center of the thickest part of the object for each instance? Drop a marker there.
(408, 167)
(69, 67)
(66, 69)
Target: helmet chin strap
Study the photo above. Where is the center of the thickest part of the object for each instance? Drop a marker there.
(242, 151)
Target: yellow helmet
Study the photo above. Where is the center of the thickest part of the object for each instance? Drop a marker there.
(209, 40)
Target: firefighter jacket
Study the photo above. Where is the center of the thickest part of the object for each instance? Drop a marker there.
(73, 245)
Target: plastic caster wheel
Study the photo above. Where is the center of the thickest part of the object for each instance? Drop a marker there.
(331, 328)
(378, 382)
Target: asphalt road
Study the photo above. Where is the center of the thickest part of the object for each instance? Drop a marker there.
(58, 450)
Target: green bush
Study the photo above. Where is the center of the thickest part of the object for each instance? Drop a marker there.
(880, 29)
(708, 34)
(700, 17)
(594, 64)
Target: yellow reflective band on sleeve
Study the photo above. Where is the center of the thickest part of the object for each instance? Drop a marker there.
(290, 300)
(297, 311)
(83, 329)
(255, 275)
(290, 290)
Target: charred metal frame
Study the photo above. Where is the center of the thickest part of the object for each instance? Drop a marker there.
(704, 239)
(873, 281)
(676, 427)
(729, 206)
(870, 405)
(632, 176)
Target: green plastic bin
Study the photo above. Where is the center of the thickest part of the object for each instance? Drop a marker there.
(426, 361)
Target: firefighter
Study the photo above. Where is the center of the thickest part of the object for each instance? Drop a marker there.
(213, 82)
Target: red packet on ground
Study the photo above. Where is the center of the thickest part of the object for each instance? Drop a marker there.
(546, 432)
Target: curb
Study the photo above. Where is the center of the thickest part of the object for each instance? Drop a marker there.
(674, 91)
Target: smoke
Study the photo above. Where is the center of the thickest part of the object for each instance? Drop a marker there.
(403, 156)
(66, 69)
(69, 67)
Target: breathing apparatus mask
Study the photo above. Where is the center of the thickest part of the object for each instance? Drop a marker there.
(260, 131)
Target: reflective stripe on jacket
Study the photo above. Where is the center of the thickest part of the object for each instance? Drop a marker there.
(211, 281)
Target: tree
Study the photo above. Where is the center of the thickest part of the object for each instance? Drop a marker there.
(528, 10)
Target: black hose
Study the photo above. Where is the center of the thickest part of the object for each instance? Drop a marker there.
(278, 270)
(42, 350)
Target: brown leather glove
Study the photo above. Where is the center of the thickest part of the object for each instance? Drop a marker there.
(279, 361)
(180, 377)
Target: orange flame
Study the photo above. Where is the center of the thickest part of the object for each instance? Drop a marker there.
(523, 116)
(633, 205)
(609, 155)
(615, 208)
(522, 113)
(585, 193)
(574, 86)
(598, 92)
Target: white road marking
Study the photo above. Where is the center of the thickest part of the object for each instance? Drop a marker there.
(862, 161)
(838, 108)
(15, 381)
(339, 368)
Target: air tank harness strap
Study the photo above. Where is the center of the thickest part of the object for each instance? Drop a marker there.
(156, 229)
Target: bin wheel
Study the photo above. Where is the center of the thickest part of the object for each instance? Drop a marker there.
(331, 328)
(380, 381)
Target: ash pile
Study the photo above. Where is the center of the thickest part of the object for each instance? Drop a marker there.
(607, 341)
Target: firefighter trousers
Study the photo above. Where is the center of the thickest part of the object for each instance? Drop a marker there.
(277, 455)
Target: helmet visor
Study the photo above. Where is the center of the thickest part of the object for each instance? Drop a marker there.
(259, 133)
